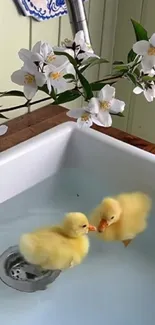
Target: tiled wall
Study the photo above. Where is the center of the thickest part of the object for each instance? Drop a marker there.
(112, 36)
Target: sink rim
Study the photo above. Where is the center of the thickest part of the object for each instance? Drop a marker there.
(38, 140)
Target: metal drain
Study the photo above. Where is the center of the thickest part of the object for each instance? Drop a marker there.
(16, 273)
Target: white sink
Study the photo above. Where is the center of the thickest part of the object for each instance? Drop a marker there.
(67, 169)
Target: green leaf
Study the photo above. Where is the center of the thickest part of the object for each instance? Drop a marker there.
(44, 89)
(131, 56)
(132, 77)
(85, 84)
(118, 62)
(141, 34)
(139, 85)
(84, 68)
(148, 78)
(3, 116)
(137, 72)
(67, 96)
(69, 76)
(70, 58)
(97, 86)
(15, 93)
(90, 62)
(94, 60)
(140, 31)
(122, 67)
(53, 94)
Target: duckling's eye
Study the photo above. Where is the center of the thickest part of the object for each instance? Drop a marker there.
(84, 226)
(112, 217)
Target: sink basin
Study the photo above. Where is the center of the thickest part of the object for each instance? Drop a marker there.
(68, 169)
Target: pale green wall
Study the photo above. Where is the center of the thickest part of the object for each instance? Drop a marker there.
(139, 115)
(112, 36)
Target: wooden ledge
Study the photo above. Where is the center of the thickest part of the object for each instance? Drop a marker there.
(27, 126)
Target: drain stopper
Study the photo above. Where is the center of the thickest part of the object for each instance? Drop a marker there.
(16, 273)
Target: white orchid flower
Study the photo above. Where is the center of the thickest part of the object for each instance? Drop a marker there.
(62, 60)
(99, 109)
(84, 119)
(82, 49)
(84, 115)
(55, 78)
(146, 49)
(107, 104)
(29, 77)
(149, 92)
(41, 52)
(3, 129)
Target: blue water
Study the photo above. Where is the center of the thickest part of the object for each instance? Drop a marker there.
(114, 285)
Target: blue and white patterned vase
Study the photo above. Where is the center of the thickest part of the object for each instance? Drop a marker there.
(43, 9)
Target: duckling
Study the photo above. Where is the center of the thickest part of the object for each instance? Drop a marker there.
(122, 217)
(58, 247)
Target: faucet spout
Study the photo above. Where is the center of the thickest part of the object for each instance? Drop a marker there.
(77, 16)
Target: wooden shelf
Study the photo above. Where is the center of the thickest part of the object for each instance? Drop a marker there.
(27, 126)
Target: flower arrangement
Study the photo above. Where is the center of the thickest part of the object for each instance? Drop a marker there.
(60, 73)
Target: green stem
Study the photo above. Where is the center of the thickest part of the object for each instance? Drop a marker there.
(27, 104)
(80, 92)
(111, 78)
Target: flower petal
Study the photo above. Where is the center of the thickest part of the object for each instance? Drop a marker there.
(152, 73)
(153, 91)
(45, 50)
(87, 48)
(117, 106)
(40, 78)
(49, 86)
(137, 90)
(141, 47)
(3, 129)
(67, 43)
(75, 112)
(37, 47)
(60, 61)
(18, 77)
(79, 38)
(96, 121)
(39, 52)
(30, 90)
(29, 67)
(106, 93)
(24, 54)
(105, 118)
(36, 57)
(93, 106)
(84, 124)
(148, 95)
(59, 84)
(148, 62)
(152, 39)
(70, 52)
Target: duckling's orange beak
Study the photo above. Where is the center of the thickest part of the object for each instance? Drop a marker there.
(91, 228)
(102, 225)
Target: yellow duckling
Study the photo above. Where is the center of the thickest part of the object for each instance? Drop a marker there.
(58, 247)
(122, 217)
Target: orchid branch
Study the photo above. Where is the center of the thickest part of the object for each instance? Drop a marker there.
(26, 104)
(52, 69)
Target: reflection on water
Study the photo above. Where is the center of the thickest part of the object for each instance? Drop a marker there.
(113, 286)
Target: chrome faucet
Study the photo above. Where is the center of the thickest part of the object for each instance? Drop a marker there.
(77, 16)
